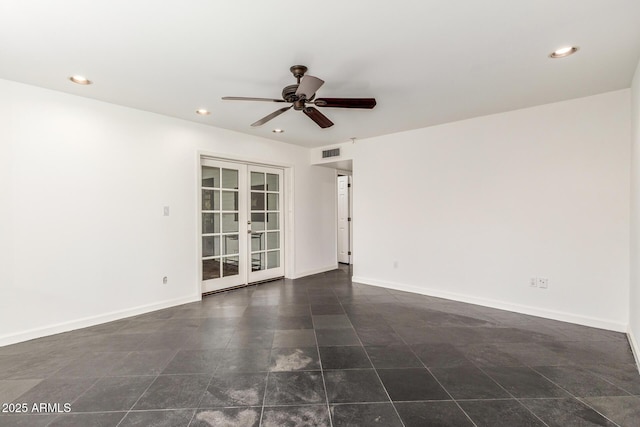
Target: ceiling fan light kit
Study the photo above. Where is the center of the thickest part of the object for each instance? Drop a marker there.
(303, 93)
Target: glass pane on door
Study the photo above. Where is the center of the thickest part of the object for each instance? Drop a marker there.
(229, 200)
(230, 222)
(210, 177)
(230, 266)
(210, 246)
(211, 269)
(230, 178)
(210, 200)
(257, 262)
(272, 221)
(272, 202)
(257, 201)
(230, 244)
(273, 182)
(257, 221)
(273, 240)
(210, 222)
(257, 242)
(273, 259)
(257, 181)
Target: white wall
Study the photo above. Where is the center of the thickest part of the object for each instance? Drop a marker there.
(83, 185)
(472, 210)
(634, 298)
(6, 195)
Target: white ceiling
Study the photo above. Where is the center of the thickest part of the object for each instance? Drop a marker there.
(425, 61)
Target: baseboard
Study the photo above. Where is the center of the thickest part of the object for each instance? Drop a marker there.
(315, 271)
(92, 320)
(634, 348)
(502, 305)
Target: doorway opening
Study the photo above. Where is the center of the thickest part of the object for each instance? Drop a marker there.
(345, 220)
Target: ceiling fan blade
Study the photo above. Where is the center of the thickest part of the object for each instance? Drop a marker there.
(320, 119)
(265, 119)
(346, 102)
(308, 86)
(244, 98)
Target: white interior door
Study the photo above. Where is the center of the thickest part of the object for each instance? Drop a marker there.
(344, 247)
(242, 233)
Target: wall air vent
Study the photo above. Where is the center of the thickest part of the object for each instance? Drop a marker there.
(334, 152)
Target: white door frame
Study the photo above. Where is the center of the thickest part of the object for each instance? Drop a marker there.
(287, 210)
(349, 214)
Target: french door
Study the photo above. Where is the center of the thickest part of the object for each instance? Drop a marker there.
(242, 224)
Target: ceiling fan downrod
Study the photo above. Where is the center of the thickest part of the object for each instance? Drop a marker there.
(298, 71)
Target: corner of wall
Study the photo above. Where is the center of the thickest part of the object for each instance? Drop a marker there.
(298, 275)
(634, 273)
(634, 347)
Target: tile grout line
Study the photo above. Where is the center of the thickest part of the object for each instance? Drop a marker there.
(138, 399)
(573, 395)
(374, 368)
(324, 383)
(81, 394)
(434, 377)
(264, 396)
(510, 394)
(605, 379)
(192, 417)
(203, 393)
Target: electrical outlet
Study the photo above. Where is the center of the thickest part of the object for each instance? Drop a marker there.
(165, 210)
(395, 264)
(533, 282)
(165, 280)
(543, 283)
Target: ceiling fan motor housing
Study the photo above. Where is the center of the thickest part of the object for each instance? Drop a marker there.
(289, 93)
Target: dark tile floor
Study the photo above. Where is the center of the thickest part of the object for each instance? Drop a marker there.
(321, 351)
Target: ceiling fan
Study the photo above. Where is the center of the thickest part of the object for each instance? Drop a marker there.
(302, 94)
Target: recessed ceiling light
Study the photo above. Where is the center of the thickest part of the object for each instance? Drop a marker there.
(277, 130)
(81, 80)
(203, 112)
(564, 52)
